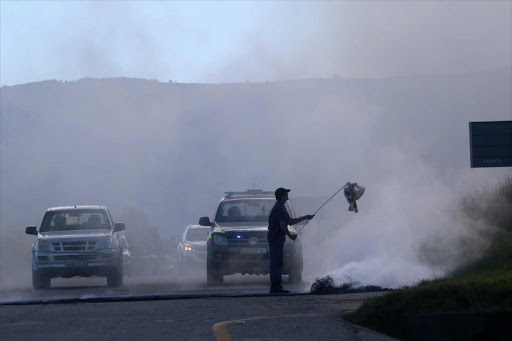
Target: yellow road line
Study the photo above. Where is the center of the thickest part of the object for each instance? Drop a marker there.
(220, 330)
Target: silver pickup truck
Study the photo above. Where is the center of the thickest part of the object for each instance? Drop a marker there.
(77, 241)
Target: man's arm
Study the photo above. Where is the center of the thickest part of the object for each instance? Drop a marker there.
(284, 229)
(293, 221)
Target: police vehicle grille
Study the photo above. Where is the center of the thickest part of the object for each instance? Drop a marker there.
(74, 246)
(242, 238)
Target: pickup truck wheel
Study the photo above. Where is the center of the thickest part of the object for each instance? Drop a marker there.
(295, 277)
(40, 280)
(115, 277)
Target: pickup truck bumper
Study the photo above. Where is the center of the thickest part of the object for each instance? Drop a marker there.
(231, 260)
(70, 264)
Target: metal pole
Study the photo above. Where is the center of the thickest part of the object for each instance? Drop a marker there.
(332, 196)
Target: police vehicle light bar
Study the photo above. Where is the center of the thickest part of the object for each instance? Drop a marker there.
(249, 191)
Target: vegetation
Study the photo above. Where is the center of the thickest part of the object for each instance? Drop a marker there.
(484, 285)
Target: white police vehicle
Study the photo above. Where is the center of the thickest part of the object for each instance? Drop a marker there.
(238, 238)
(192, 246)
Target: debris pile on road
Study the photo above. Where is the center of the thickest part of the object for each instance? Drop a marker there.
(326, 286)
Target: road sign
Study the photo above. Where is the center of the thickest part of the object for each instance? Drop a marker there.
(490, 144)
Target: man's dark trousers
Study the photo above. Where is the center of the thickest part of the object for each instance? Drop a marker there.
(276, 243)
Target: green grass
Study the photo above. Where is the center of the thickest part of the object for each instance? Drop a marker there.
(484, 285)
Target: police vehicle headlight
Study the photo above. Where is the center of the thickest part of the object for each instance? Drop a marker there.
(220, 240)
(42, 245)
(106, 243)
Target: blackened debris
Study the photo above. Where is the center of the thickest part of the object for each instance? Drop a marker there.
(326, 286)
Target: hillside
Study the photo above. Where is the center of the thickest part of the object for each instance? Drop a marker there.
(172, 149)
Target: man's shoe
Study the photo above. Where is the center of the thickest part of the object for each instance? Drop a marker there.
(274, 289)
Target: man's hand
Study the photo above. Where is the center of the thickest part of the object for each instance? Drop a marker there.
(292, 236)
(309, 216)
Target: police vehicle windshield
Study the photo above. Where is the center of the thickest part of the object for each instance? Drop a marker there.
(244, 210)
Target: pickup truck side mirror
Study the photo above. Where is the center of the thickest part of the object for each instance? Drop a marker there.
(119, 227)
(177, 240)
(205, 221)
(31, 230)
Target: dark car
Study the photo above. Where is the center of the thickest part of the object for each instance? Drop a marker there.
(238, 238)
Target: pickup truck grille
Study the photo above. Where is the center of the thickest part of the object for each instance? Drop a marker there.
(243, 238)
(68, 257)
(74, 246)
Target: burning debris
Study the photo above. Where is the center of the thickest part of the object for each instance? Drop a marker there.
(326, 286)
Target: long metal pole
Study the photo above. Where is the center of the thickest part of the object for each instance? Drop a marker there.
(332, 196)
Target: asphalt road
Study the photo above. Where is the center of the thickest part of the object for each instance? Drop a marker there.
(296, 317)
(176, 308)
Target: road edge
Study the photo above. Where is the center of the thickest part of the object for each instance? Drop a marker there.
(367, 334)
(139, 298)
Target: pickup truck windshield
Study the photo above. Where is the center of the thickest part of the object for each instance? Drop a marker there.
(244, 210)
(75, 220)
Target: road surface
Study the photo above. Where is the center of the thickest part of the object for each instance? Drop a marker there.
(176, 309)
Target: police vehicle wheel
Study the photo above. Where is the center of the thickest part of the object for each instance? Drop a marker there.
(40, 280)
(115, 277)
(213, 277)
(295, 277)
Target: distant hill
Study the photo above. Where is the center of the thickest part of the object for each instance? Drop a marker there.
(173, 149)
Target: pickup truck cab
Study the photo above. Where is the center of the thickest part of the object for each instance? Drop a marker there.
(77, 241)
(238, 238)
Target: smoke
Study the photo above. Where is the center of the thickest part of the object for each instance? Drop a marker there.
(384, 244)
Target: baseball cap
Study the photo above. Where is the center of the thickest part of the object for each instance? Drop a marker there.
(280, 191)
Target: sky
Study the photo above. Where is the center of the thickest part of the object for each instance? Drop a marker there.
(216, 42)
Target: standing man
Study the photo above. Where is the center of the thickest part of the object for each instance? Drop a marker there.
(278, 222)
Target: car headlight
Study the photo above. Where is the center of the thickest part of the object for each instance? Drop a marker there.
(42, 245)
(106, 243)
(188, 248)
(220, 240)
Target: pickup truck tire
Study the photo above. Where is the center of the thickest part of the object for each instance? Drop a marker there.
(115, 277)
(40, 280)
(213, 277)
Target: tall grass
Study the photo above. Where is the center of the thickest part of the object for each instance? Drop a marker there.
(492, 206)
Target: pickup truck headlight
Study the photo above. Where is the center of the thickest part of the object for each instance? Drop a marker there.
(106, 243)
(220, 240)
(42, 245)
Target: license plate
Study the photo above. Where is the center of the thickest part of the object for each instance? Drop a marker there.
(76, 262)
(253, 250)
